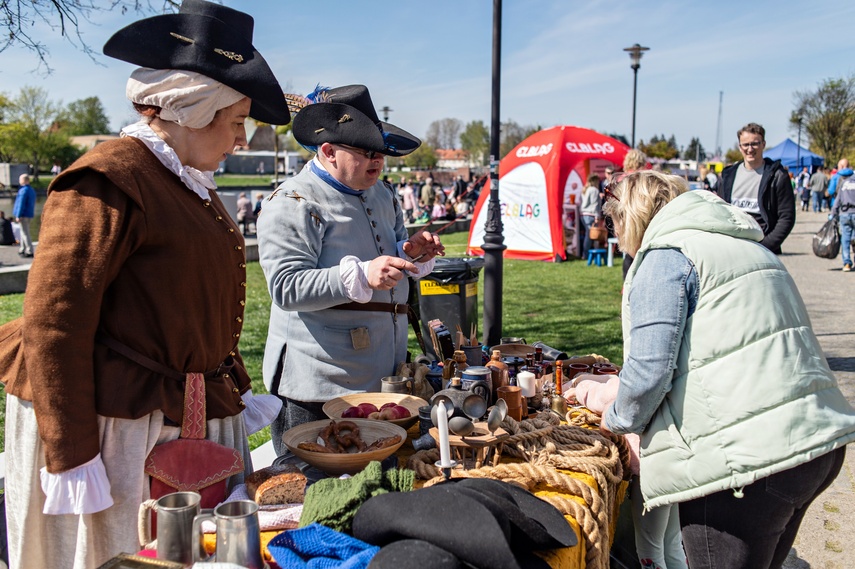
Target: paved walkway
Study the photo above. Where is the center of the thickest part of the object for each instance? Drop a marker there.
(9, 257)
(826, 538)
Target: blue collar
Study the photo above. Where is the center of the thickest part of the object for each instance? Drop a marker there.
(328, 178)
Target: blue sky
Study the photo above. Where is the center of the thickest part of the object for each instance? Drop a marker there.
(562, 61)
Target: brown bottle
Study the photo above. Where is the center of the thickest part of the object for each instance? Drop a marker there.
(498, 371)
(557, 402)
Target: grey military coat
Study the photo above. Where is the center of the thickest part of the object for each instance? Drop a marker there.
(305, 228)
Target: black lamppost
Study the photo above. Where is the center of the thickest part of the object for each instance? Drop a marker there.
(799, 146)
(494, 241)
(635, 53)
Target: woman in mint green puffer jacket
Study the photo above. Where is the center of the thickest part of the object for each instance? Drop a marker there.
(741, 420)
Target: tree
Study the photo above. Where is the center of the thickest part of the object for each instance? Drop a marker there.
(84, 116)
(28, 134)
(695, 151)
(660, 147)
(476, 141)
(444, 133)
(18, 17)
(827, 117)
(512, 133)
(424, 157)
(733, 155)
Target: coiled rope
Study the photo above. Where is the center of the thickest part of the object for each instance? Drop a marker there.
(548, 449)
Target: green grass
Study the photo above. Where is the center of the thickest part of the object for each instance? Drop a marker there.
(232, 180)
(570, 306)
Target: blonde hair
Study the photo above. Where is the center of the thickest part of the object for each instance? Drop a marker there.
(638, 197)
(634, 160)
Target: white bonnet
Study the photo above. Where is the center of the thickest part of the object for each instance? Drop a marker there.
(185, 97)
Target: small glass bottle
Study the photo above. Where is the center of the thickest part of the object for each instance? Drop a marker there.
(498, 371)
(557, 402)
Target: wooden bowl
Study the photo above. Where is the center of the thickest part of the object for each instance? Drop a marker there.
(519, 350)
(335, 407)
(344, 463)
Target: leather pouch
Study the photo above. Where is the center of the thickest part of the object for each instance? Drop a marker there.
(191, 462)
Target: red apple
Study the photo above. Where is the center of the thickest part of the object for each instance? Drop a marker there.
(402, 411)
(388, 414)
(367, 408)
(352, 413)
(389, 404)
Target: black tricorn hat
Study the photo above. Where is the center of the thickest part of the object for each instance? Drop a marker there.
(346, 115)
(210, 39)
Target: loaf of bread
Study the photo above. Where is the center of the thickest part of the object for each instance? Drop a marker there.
(282, 484)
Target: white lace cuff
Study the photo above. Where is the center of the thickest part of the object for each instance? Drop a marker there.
(422, 268)
(81, 490)
(260, 411)
(354, 277)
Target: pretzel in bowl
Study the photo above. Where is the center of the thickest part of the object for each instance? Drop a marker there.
(338, 437)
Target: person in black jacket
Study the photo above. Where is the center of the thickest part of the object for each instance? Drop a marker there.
(7, 236)
(760, 187)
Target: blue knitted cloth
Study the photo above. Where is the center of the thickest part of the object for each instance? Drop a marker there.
(319, 547)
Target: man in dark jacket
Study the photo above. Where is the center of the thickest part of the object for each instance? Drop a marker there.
(760, 187)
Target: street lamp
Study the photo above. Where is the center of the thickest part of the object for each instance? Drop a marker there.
(494, 241)
(635, 53)
(799, 145)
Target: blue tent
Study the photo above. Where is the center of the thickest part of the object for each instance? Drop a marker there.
(793, 156)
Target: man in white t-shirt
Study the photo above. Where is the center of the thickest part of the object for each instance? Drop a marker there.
(760, 187)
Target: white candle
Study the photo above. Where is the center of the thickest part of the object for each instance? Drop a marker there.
(442, 427)
(527, 382)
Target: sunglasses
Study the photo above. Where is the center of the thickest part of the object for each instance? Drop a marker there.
(608, 195)
(370, 154)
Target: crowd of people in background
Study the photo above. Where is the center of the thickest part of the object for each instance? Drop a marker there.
(423, 199)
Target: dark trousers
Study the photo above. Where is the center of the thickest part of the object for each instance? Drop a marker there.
(292, 414)
(756, 531)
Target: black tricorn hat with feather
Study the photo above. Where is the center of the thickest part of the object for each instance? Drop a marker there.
(210, 39)
(346, 115)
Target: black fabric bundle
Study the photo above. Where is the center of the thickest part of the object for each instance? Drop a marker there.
(462, 523)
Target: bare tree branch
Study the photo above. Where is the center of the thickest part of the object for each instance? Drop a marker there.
(19, 17)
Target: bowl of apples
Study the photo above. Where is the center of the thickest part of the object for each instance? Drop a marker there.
(396, 408)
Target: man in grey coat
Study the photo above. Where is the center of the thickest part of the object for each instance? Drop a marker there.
(335, 253)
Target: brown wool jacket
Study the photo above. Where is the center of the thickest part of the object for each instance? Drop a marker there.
(126, 249)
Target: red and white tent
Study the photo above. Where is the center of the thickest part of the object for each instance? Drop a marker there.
(540, 185)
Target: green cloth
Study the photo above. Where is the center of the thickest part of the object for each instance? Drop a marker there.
(333, 502)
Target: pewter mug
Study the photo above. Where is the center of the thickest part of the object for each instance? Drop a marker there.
(238, 534)
(175, 513)
(396, 384)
